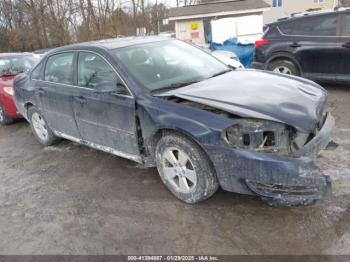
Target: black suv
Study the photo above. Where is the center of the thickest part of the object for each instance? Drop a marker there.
(315, 46)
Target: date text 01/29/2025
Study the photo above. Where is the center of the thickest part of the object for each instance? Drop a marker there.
(173, 258)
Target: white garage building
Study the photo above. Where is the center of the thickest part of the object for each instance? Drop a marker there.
(218, 21)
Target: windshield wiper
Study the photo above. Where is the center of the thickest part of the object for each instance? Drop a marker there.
(175, 86)
(220, 73)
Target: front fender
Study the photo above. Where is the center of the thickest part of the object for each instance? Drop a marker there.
(159, 114)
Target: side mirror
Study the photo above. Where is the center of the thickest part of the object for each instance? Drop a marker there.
(110, 87)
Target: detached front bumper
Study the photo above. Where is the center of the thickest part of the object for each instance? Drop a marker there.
(285, 180)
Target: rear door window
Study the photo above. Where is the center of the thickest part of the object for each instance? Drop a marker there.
(321, 25)
(59, 68)
(37, 72)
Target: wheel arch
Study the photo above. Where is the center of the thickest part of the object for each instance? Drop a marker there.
(163, 131)
(284, 56)
(28, 105)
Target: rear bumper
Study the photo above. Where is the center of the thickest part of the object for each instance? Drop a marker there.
(8, 104)
(285, 180)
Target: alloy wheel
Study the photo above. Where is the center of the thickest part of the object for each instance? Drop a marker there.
(282, 70)
(179, 170)
(39, 126)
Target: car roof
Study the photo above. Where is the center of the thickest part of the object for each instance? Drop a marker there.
(114, 43)
(297, 16)
(3, 55)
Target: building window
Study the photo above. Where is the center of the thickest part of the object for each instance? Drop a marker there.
(277, 3)
(318, 1)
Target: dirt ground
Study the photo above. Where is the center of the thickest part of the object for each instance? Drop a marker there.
(70, 199)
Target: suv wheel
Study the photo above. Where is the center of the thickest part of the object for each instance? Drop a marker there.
(284, 67)
(185, 169)
(40, 128)
(4, 119)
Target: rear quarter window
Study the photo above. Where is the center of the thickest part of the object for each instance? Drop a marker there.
(271, 32)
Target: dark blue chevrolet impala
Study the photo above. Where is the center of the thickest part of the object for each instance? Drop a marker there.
(164, 103)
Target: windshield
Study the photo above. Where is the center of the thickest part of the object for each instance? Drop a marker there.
(13, 65)
(168, 64)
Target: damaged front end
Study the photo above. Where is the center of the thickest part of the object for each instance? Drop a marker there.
(264, 136)
(279, 160)
(277, 127)
(268, 158)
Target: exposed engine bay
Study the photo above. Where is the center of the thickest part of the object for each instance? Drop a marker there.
(257, 134)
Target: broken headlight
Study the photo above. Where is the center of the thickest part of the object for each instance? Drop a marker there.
(264, 136)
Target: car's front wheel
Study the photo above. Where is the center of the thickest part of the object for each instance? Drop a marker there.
(40, 128)
(185, 169)
(4, 119)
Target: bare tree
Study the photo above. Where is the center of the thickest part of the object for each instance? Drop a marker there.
(27, 25)
(344, 2)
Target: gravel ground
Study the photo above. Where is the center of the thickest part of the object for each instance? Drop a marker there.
(70, 199)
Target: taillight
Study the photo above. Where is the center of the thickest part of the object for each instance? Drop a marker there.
(261, 42)
(9, 90)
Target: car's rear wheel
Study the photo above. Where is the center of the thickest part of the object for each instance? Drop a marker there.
(283, 66)
(185, 169)
(4, 119)
(40, 128)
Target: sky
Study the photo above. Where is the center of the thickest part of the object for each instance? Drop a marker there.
(170, 3)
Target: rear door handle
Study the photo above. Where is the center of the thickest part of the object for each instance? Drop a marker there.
(40, 90)
(295, 45)
(347, 45)
(80, 99)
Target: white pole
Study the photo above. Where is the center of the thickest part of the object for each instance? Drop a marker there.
(158, 26)
(335, 3)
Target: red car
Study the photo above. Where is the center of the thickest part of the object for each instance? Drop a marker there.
(11, 64)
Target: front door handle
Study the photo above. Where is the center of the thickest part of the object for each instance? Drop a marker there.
(80, 99)
(295, 45)
(347, 45)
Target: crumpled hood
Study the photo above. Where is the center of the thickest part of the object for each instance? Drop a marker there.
(256, 94)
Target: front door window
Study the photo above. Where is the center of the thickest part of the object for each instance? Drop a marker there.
(93, 70)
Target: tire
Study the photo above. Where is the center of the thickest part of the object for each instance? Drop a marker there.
(284, 66)
(197, 171)
(40, 128)
(4, 119)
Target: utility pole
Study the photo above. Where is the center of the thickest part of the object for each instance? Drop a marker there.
(158, 25)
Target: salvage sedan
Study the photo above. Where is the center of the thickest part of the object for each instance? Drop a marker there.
(164, 103)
